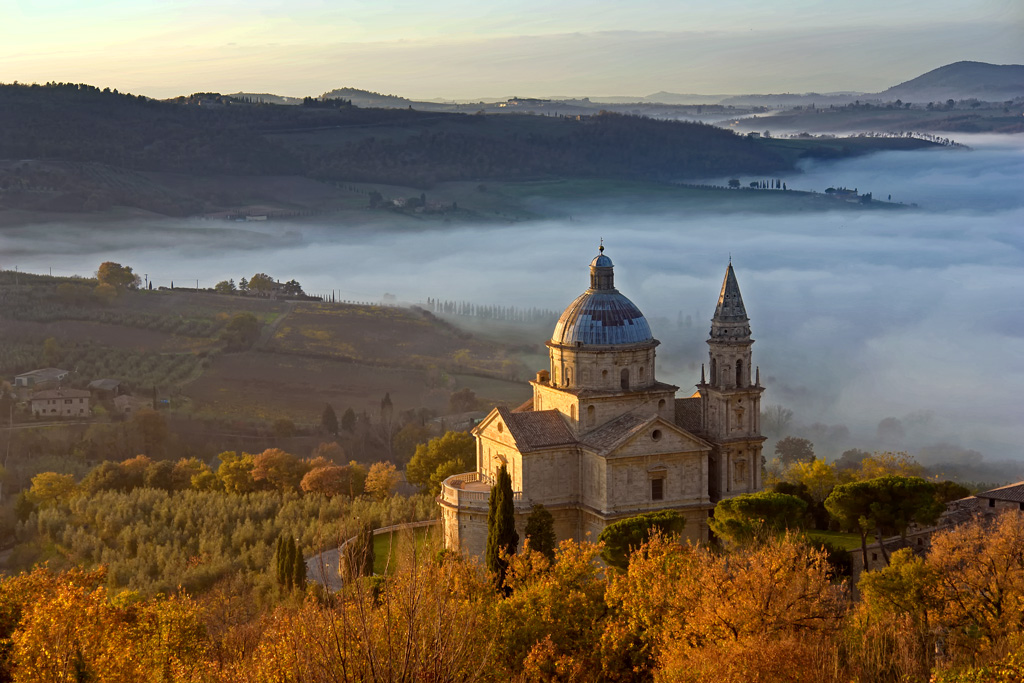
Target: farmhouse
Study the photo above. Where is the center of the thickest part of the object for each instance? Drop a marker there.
(61, 403)
(41, 379)
(602, 439)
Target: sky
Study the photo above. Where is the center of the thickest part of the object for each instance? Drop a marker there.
(468, 49)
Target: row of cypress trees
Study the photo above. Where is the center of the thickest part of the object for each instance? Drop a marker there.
(290, 565)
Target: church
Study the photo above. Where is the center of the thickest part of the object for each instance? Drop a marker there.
(602, 439)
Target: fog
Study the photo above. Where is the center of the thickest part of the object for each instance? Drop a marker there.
(859, 315)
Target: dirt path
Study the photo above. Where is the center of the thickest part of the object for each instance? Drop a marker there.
(270, 330)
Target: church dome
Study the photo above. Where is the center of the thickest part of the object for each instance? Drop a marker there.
(601, 315)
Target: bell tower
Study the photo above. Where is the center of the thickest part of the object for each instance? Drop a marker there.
(730, 401)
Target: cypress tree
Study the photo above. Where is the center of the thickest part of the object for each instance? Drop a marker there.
(299, 570)
(289, 563)
(540, 532)
(279, 560)
(501, 527)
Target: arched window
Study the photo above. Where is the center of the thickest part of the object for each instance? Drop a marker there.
(568, 377)
(590, 416)
(640, 375)
(739, 373)
(714, 372)
(661, 405)
(624, 379)
(604, 375)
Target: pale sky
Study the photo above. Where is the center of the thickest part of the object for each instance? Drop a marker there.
(478, 49)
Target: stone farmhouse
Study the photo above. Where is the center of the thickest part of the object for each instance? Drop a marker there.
(61, 403)
(602, 439)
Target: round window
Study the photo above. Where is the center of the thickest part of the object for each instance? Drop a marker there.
(656, 435)
(501, 428)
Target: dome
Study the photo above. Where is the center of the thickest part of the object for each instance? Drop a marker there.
(601, 315)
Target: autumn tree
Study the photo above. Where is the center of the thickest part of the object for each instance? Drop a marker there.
(440, 457)
(262, 284)
(235, 472)
(751, 516)
(278, 469)
(502, 537)
(241, 332)
(381, 480)
(117, 276)
(49, 488)
(621, 538)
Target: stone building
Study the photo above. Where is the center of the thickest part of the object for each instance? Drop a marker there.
(602, 439)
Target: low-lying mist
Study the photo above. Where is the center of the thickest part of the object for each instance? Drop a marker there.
(859, 315)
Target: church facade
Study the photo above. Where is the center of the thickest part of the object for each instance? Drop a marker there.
(602, 439)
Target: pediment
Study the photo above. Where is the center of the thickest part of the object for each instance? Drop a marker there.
(651, 436)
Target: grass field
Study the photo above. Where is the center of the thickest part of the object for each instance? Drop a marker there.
(390, 550)
(838, 539)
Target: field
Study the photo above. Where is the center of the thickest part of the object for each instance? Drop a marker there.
(838, 539)
(390, 549)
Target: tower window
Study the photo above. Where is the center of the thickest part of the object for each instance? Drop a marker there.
(625, 379)
(661, 405)
(641, 374)
(590, 416)
(739, 373)
(657, 489)
(714, 372)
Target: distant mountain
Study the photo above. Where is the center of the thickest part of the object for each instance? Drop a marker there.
(962, 81)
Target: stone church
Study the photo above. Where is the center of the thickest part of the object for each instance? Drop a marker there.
(602, 439)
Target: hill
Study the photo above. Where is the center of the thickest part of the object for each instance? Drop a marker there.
(962, 81)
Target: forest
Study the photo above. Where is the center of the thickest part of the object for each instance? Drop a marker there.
(161, 570)
(107, 142)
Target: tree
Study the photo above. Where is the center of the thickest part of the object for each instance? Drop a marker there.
(241, 332)
(292, 288)
(502, 537)
(753, 516)
(623, 537)
(117, 276)
(348, 420)
(794, 449)
(454, 451)
(235, 472)
(225, 287)
(462, 401)
(299, 570)
(328, 420)
(279, 469)
(540, 532)
(734, 183)
(104, 293)
(262, 284)
(776, 420)
(50, 487)
(381, 480)
(886, 505)
(329, 480)
(243, 286)
(889, 464)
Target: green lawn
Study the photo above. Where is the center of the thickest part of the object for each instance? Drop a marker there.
(838, 539)
(388, 548)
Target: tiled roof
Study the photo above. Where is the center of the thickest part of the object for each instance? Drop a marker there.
(1013, 493)
(537, 429)
(60, 393)
(611, 433)
(688, 414)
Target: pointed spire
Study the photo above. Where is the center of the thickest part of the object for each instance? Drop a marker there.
(757, 381)
(702, 374)
(730, 321)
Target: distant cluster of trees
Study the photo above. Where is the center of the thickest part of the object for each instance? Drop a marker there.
(260, 284)
(490, 312)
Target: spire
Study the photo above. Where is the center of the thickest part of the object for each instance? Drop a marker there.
(730, 321)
